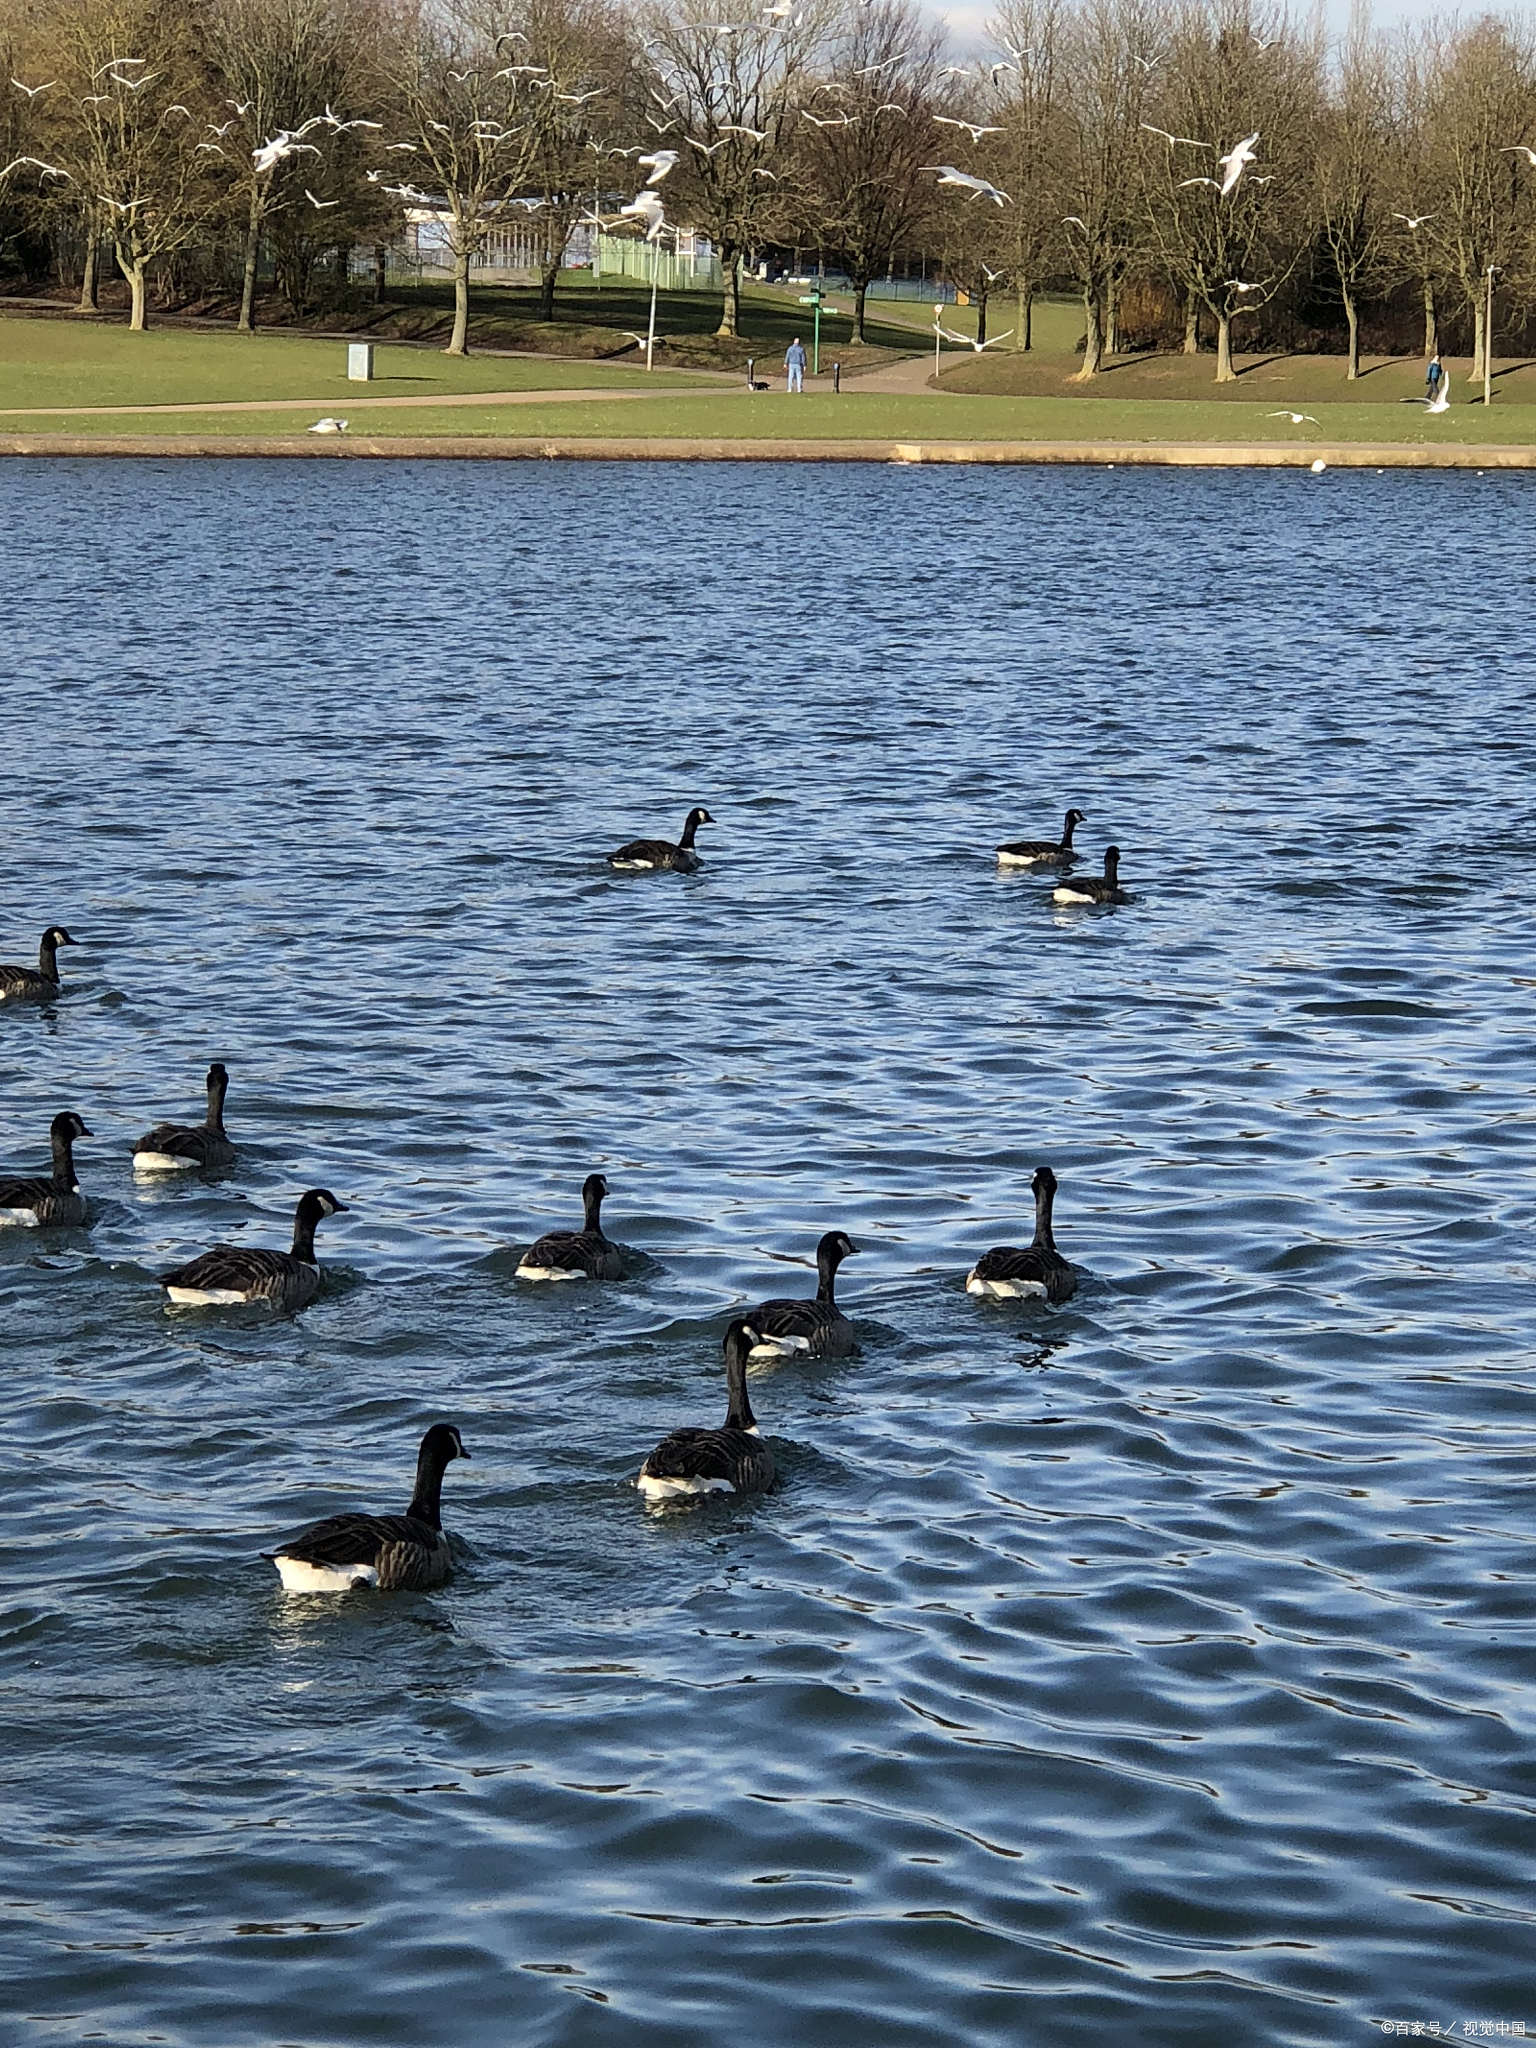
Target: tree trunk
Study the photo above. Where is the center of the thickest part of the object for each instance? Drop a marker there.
(981, 315)
(1352, 315)
(859, 293)
(1431, 322)
(1093, 342)
(1479, 337)
(1024, 319)
(88, 287)
(134, 272)
(1191, 324)
(730, 303)
(458, 341)
(380, 273)
(547, 276)
(246, 324)
(1225, 374)
(1112, 318)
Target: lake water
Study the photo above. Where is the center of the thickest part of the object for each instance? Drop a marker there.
(1152, 1669)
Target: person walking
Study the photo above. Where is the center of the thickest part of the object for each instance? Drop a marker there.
(794, 363)
(1433, 375)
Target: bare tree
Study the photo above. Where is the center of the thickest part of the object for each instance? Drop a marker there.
(584, 50)
(132, 104)
(471, 96)
(1229, 225)
(281, 62)
(1107, 52)
(1021, 98)
(1355, 160)
(726, 86)
(1479, 88)
(866, 135)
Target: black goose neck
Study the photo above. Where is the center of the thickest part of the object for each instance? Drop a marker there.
(592, 1211)
(304, 1222)
(826, 1280)
(218, 1088)
(739, 1414)
(427, 1499)
(690, 826)
(64, 1161)
(1045, 1197)
(1068, 829)
(48, 958)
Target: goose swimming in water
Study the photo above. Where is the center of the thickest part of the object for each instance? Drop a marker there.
(230, 1273)
(1103, 888)
(583, 1254)
(180, 1148)
(661, 853)
(55, 1202)
(1032, 1272)
(1043, 853)
(397, 1553)
(39, 984)
(801, 1327)
(731, 1459)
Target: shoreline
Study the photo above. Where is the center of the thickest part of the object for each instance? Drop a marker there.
(605, 448)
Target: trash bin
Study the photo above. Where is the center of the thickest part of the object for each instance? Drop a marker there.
(359, 362)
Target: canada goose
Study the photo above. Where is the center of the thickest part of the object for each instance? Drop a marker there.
(583, 1254)
(661, 853)
(805, 1328)
(178, 1148)
(1036, 1271)
(1043, 853)
(234, 1273)
(397, 1553)
(36, 985)
(1103, 888)
(732, 1459)
(54, 1202)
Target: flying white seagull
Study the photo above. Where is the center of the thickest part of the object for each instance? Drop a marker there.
(1295, 418)
(1236, 161)
(966, 340)
(32, 91)
(16, 162)
(320, 205)
(646, 205)
(1415, 220)
(1441, 401)
(1520, 149)
(948, 175)
(971, 127)
(328, 425)
(659, 163)
(1188, 140)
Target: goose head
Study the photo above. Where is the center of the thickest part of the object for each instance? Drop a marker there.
(836, 1246)
(57, 936)
(66, 1127)
(441, 1445)
(1111, 863)
(1076, 818)
(593, 1188)
(696, 817)
(1044, 1182)
(317, 1204)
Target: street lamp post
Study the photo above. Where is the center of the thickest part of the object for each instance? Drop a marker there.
(1488, 344)
(814, 299)
(938, 314)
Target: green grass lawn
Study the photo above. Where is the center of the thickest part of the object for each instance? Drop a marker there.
(62, 362)
(819, 415)
(1303, 382)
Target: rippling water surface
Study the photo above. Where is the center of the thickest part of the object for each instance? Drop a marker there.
(1156, 1668)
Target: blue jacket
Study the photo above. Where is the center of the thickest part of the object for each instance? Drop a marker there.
(794, 357)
